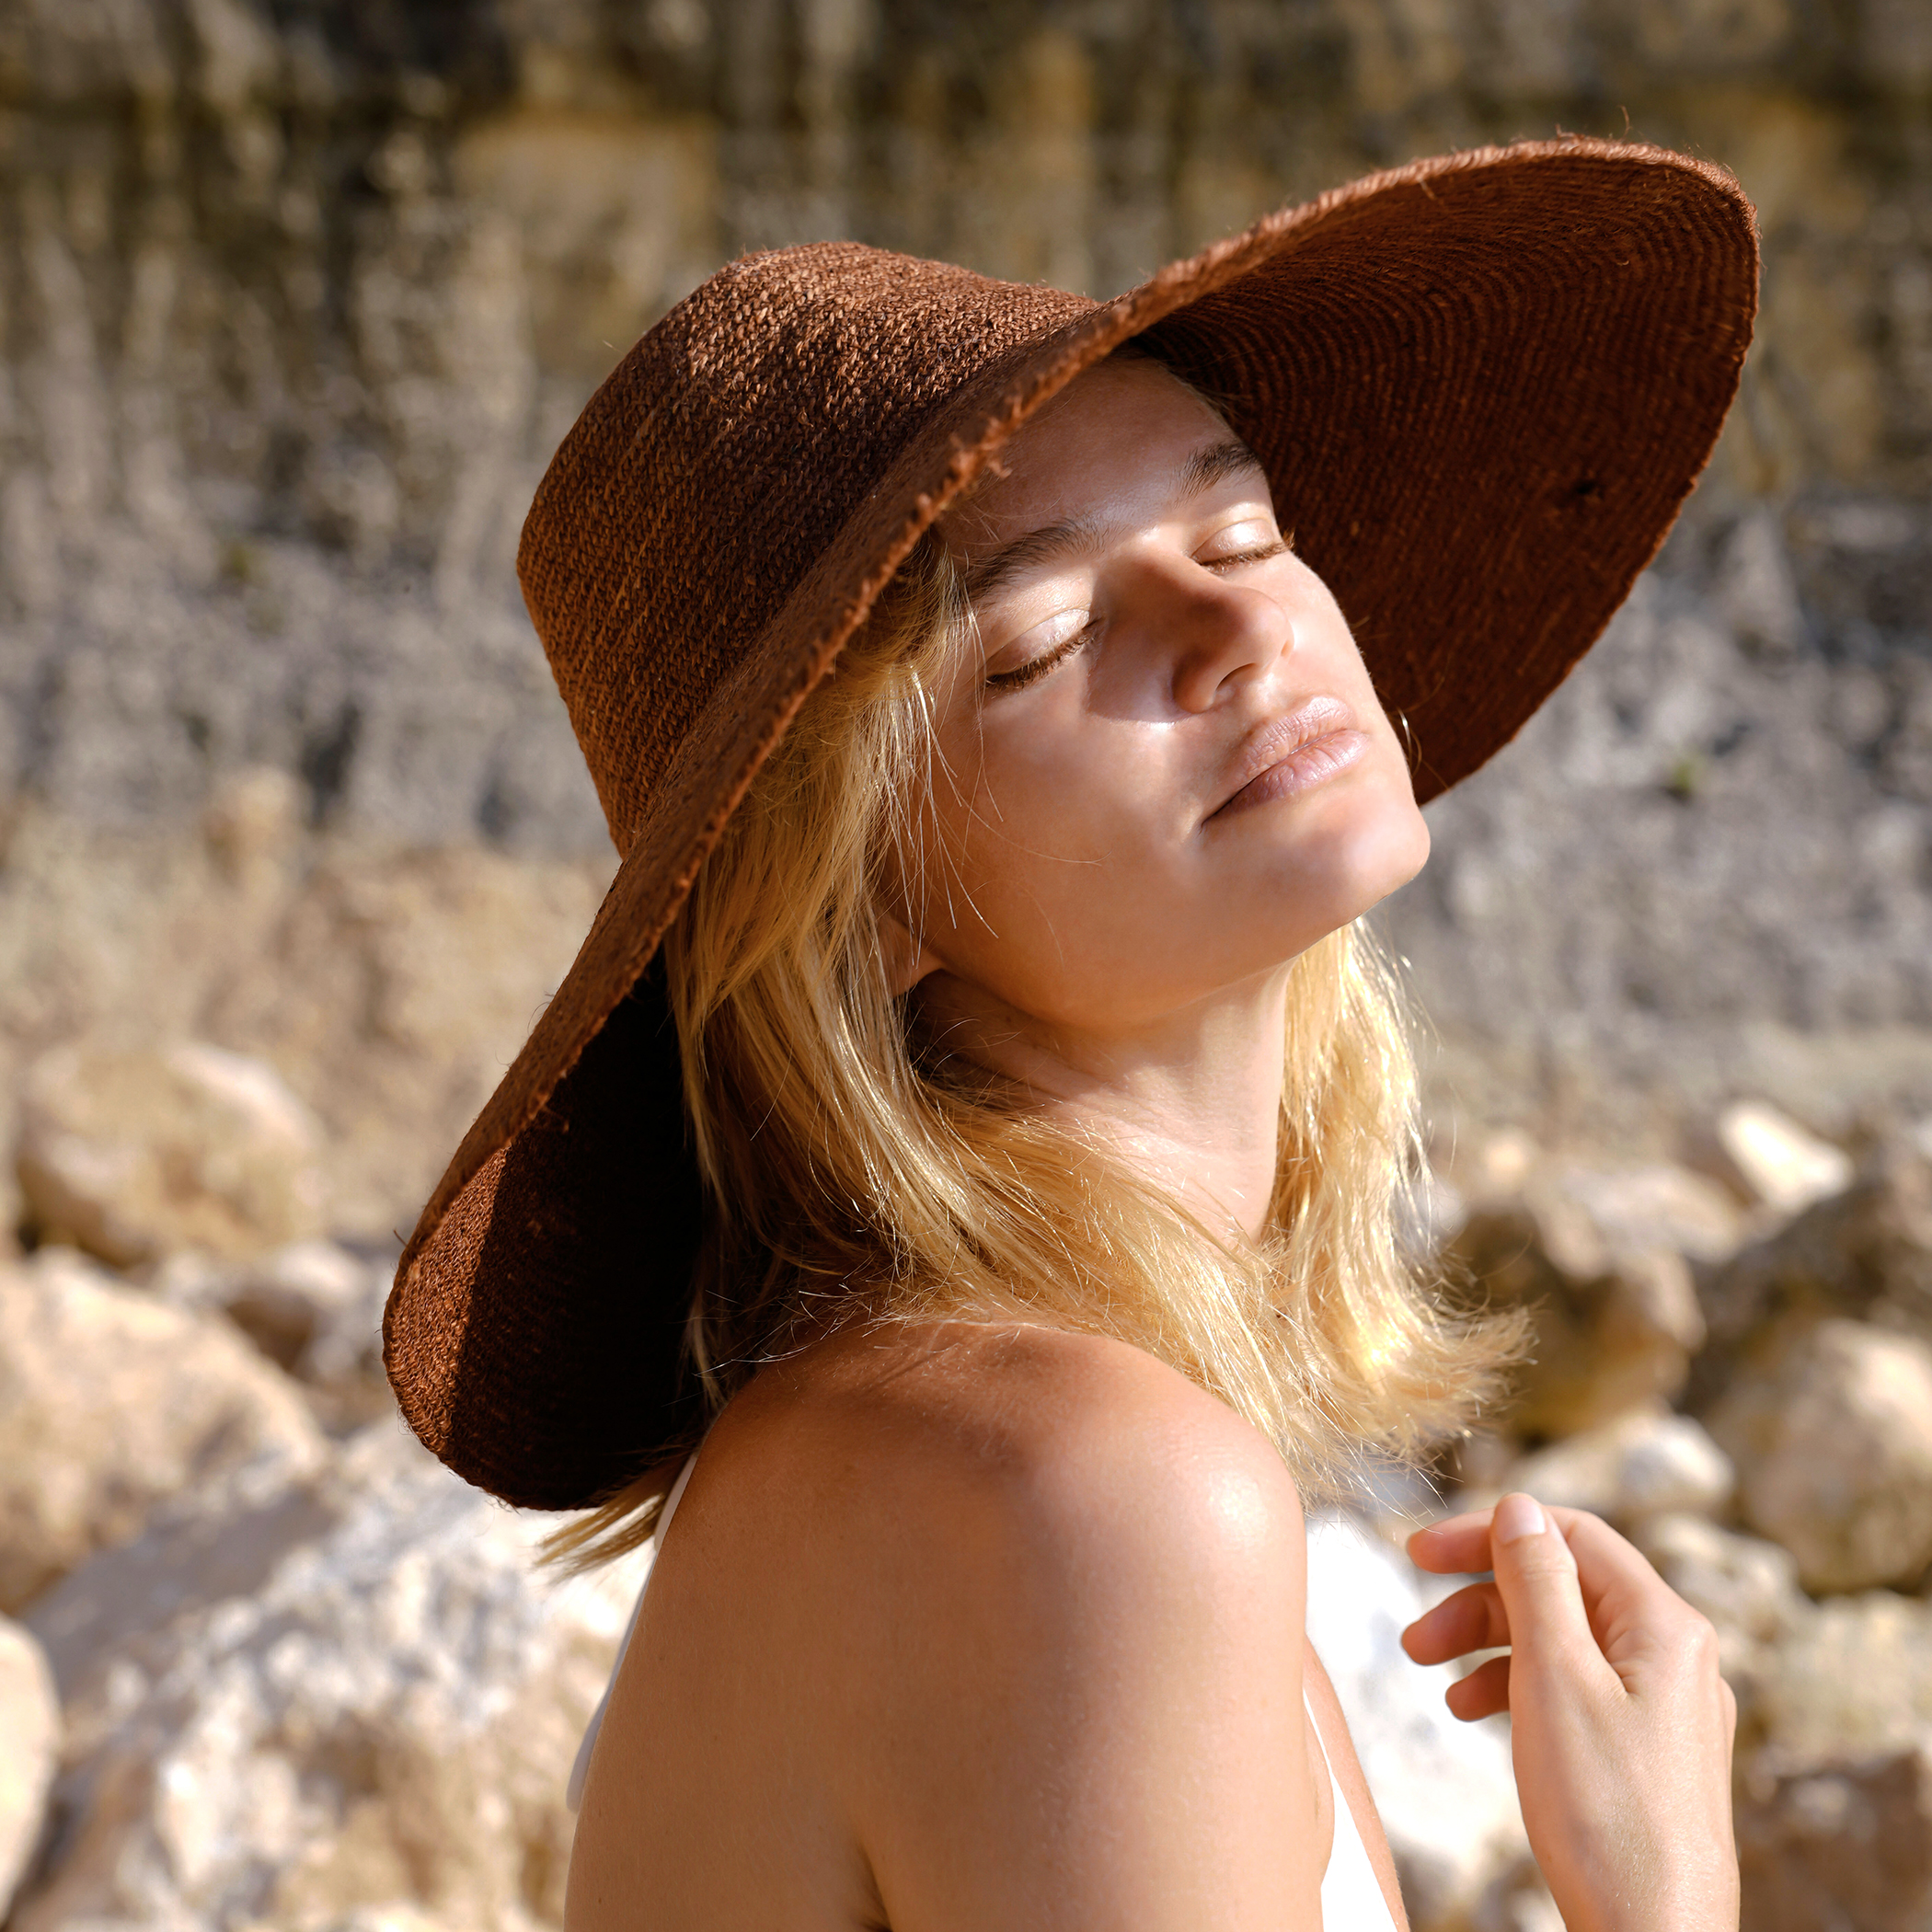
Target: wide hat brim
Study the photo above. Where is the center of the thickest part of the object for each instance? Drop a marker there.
(1482, 387)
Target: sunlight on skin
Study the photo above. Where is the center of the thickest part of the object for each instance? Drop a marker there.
(1167, 774)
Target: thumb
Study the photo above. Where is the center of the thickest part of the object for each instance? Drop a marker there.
(1536, 1578)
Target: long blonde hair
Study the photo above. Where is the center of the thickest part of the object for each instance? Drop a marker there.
(853, 1172)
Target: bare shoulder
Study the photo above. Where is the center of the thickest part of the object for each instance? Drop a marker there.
(1060, 1448)
(1072, 1594)
(939, 1589)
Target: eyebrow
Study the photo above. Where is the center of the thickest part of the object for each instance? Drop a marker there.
(1075, 535)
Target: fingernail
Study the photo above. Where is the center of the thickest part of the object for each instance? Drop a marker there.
(1516, 1517)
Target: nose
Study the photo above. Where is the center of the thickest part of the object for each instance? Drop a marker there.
(1219, 634)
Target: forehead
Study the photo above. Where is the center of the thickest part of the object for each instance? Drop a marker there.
(1111, 442)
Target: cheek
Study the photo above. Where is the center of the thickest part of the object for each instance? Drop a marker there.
(1011, 838)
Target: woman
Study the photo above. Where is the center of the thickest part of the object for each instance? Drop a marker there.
(975, 1118)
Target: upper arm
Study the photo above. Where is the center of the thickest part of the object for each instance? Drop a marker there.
(1084, 1707)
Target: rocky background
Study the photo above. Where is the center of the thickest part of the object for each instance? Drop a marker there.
(296, 296)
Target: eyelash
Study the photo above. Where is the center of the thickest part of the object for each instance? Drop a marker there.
(1260, 554)
(1037, 668)
(1031, 672)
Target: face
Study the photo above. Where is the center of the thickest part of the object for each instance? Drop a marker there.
(1165, 772)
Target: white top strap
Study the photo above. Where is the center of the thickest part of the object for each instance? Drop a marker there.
(573, 1791)
(1351, 1898)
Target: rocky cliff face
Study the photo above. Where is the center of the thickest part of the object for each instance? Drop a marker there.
(297, 295)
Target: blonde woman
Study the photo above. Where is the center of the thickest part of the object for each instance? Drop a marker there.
(953, 1203)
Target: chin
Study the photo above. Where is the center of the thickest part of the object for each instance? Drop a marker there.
(1362, 859)
(1409, 848)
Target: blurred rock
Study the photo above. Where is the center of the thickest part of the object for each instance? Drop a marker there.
(392, 990)
(29, 1740)
(355, 1704)
(1866, 1252)
(388, 989)
(1850, 1679)
(314, 1307)
(129, 1153)
(1845, 1845)
(1747, 1587)
(1445, 1789)
(1659, 1205)
(111, 1402)
(1830, 1424)
(1741, 1584)
(1519, 1903)
(1774, 1162)
(251, 825)
(1835, 1717)
(1638, 1466)
(1599, 1259)
(1431, 1212)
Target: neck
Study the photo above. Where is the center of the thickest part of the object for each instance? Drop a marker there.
(1191, 1101)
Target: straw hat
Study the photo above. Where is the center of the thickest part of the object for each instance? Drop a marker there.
(1481, 386)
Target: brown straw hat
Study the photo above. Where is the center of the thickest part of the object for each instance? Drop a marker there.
(1481, 386)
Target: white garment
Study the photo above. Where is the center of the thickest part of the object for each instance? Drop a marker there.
(573, 1791)
(1352, 1897)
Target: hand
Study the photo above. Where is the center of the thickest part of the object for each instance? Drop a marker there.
(1620, 1724)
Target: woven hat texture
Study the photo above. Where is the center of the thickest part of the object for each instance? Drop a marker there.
(1481, 386)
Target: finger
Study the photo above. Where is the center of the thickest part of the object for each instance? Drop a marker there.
(1536, 1578)
(1473, 1619)
(1484, 1692)
(1455, 1547)
(1625, 1598)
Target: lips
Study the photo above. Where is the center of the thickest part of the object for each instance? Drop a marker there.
(1291, 755)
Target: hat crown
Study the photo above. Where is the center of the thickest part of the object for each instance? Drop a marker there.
(717, 464)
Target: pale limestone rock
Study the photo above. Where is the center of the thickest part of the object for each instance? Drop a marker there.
(1866, 1252)
(314, 1308)
(132, 1153)
(1851, 1678)
(388, 989)
(1740, 1583)
(29, 1740)
(353, 1705)
(1521, 1904)
(1640, 1465)
(1445, 1790)
(321, 1301)
(1778, 1163)
(1599, 1260)
(252, 824)
(1748, 1588)
(111, 1402)
(1657, 1205)
(1831, 1427)
(392, 991)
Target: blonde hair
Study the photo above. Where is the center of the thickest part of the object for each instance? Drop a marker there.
(854, 1172)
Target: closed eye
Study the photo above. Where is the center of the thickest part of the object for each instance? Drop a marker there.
(1034, 669)
(1258, 553)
